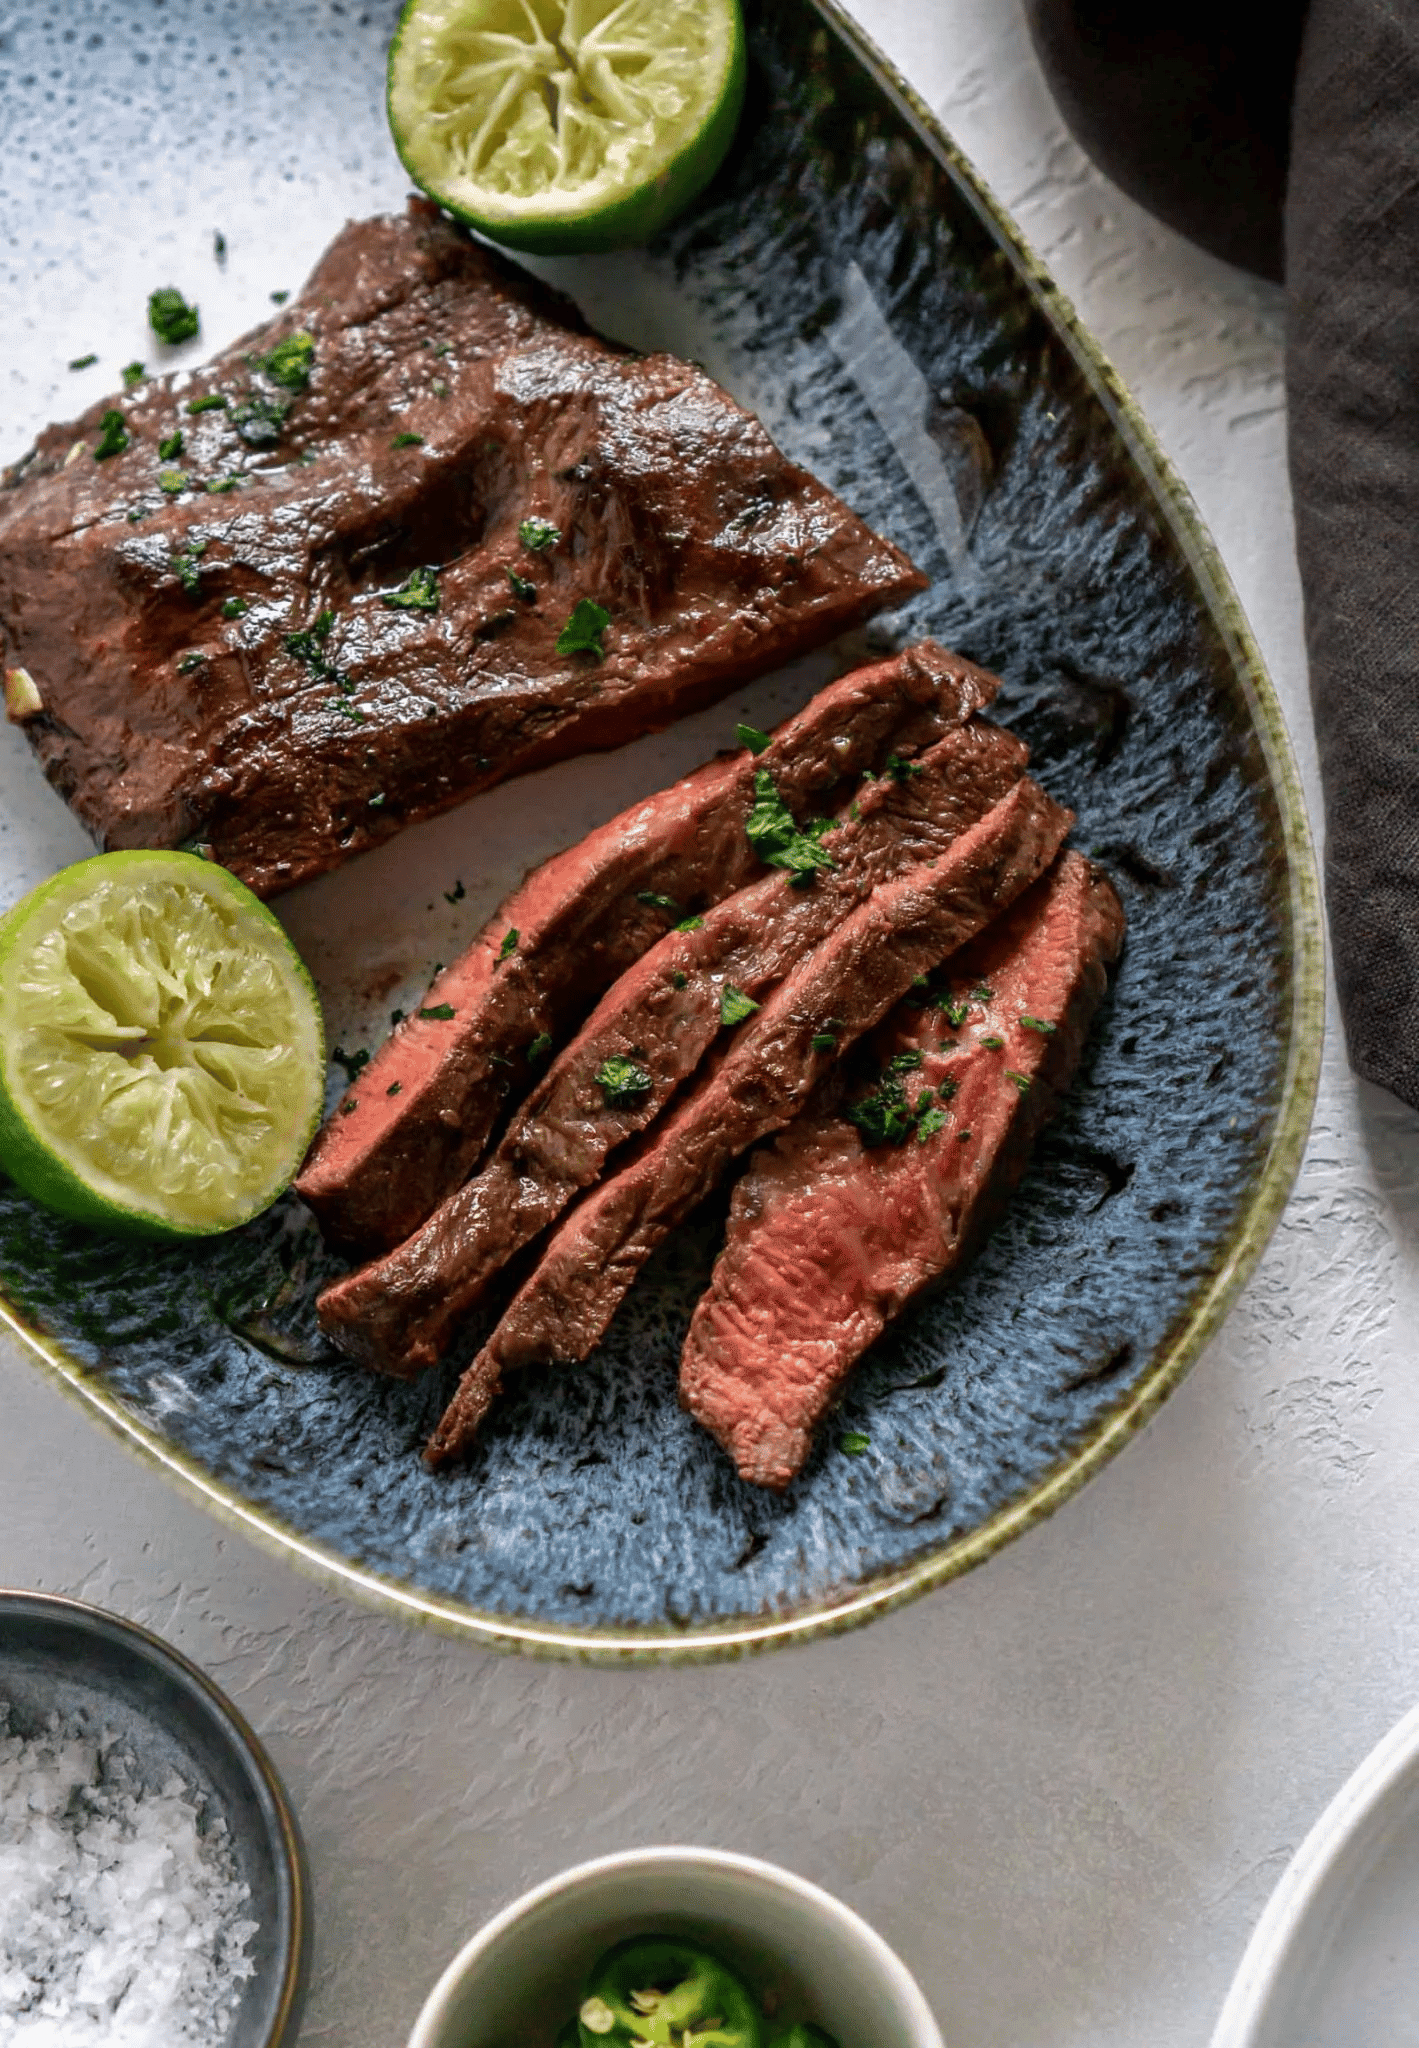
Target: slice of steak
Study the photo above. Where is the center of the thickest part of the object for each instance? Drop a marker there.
(648, 1035)
(831, 1234)
(418, 1120)
(322, 615)
(843, 989)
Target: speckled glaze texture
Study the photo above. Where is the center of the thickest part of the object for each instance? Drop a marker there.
(846, 279)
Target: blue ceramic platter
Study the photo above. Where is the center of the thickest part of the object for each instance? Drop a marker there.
(847, 278)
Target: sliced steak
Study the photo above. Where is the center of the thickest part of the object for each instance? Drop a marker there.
(648, 1035)
(831, 1235)
(318, 619)
(418, 1120)
(848, 983)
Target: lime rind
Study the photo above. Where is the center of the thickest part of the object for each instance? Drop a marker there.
(565, 126)
(161, 1047)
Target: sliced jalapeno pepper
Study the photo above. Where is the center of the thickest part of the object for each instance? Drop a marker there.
(664, 1993)
(804, 2035)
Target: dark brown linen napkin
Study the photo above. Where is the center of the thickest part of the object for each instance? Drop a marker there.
(1352, 273)
(1187, 109)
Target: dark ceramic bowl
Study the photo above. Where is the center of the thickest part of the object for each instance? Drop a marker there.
(63, 1656)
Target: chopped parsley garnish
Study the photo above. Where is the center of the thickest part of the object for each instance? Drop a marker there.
(290, 362)
(884, 1117)
(407, 441)
(854, 810)
(279, 298)
(734, 1005)
(170, 316)
(211, 401)
(539, 1048)
(308, 646)
(82, 362)
(1022, 1081)
(394, 1088)
(953, 1011)
(440, 1012)
(233, 607)
(219, 245)
(654, 902)
(172, 481)
(348, 1107)
(776, 838)
(131, 373)
(538, 535)
(677, 979)
(929, 1123)
(456, 894)
(981, 994)
(377, 801)
(823, 1041)
(219, 484)
(621, 1081)
(904, 1062)
(962, 1136)
(508, 946)
(582, 634)
(439, 388)
(260, 419)
(419, 592)
(521, 586)
(690, 924)
(1040, 1024)
(186, 565)
(170, 447)
(350, 711)
(113, 436)
(396, 1017)
(948, 1089)
(189, 662)
(749, 736)
(854, 1443)
(900, 770)
(352, 1062)
(992, 1044)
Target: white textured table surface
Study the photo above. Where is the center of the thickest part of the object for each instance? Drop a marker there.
(1064, 1786)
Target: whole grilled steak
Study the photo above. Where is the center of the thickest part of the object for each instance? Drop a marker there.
(325, 613)
(416, 1123)
(843, 989)
(647, 1036)
(837, 1225)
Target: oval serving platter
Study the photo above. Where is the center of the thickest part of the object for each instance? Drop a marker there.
(848, 277)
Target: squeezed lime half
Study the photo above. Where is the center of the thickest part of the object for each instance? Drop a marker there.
(162, 1055)
(565, 125)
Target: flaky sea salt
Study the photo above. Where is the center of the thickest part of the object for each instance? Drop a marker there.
(121, 1910)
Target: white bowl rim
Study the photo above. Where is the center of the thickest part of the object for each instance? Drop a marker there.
(1320, 1861)
(919, 2013)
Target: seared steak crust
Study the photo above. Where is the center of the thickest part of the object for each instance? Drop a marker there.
(661, 1017)
(444, 398)
(843, 989)
(385, 1160)
(829, 1238)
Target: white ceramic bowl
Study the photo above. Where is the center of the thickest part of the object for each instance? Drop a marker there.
(1330, 1959)
(519, 1978)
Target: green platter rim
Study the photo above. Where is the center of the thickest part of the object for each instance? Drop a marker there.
(1257, 1218)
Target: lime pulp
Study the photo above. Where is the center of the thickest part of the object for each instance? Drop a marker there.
(566, 125)
(162, 1054)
